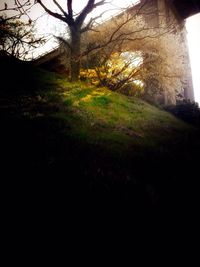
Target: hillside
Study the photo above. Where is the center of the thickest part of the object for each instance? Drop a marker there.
(62, 137)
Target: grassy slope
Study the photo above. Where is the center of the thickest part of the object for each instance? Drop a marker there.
(100, 116)
(109, 141)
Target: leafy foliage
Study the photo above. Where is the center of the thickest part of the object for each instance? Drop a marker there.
(121, 72)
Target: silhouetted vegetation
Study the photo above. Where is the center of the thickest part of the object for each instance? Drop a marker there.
(187, 111)
(20, 76)
(17, 37)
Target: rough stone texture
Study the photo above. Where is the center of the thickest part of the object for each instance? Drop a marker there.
(163, 13)
(169, 11)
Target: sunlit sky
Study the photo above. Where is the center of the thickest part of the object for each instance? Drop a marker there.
(193, 29)
(47, 24)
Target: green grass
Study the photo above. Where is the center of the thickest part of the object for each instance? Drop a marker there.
(111, 120)
(102, 117)
(94, 138)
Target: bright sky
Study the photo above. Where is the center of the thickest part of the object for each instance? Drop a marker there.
(193, 28)
(49, 25)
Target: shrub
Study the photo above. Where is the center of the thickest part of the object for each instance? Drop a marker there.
(187, 111)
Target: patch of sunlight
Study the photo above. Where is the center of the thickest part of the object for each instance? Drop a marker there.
(139, 83)
(135, 59)
(87, 98)
(76, 103)
(100, 93)
(94, 94)
(66, 94)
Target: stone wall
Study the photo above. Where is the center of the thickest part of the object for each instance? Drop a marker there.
(163, 14)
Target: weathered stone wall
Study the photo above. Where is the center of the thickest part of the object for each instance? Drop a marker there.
(148, 9)
(168, 14)
(163, 14)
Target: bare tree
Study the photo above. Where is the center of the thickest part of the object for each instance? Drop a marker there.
(118, 31)
(75, 23)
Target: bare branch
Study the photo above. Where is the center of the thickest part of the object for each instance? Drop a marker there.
(54, 14)
(88, 9)
(19, 8)
(69, 8)
(91, 21)
(17, 38)
(61, 9)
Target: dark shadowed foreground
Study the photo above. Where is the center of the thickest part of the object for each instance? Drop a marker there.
(74, 147)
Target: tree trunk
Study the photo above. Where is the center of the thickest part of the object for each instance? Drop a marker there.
(75, 53)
